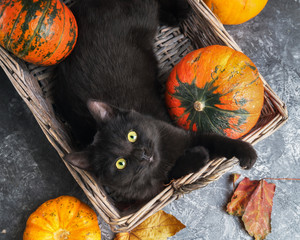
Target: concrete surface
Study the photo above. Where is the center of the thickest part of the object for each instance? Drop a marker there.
(31, 171)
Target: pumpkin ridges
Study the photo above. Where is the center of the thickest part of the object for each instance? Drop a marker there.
(235, 15)
(91, 232)
(217, 130)
(235, 132)
(85, 226)
(236, 11)
(3, 8)
(189, 92)
(66, 44)
(231, 92)
(222, 62)
(74, 210)
(52, 24)
(202, 71)
(80, 219)
(46, 58)
(220, 123)
(20, 36)
(240, 98)
(216, 108)
(241, 84)
(229, 56)
(206, 91)
(8, 40)
(55, 18)
(38, 218)
(245, 10)
(58, 213)
(36, 30)
(48, 212)
(41, 228)
(10, 12)
(34, 233)
(90, 235)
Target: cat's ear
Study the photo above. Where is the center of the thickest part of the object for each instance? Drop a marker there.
(101, 111)
(79, 159)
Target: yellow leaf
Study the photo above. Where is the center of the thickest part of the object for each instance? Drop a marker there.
(159, 226)
(236, 176)
(123, 236)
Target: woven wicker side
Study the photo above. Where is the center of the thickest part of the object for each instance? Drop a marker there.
(35, 84)
(204, 29)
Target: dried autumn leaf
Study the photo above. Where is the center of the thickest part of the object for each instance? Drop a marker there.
(241, 197)
(159, 226)
(236, 176)
(257, 216)
(124, 236)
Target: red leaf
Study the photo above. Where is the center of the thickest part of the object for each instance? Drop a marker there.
(257, 216)
(241, 197)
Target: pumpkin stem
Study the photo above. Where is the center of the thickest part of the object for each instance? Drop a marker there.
(198, 106)
(61, 234)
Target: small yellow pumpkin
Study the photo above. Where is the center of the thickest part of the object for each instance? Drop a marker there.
(63, 218)
(235, 11)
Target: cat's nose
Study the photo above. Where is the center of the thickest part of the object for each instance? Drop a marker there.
(146, 155)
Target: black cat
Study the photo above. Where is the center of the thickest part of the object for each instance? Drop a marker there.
(109, 93)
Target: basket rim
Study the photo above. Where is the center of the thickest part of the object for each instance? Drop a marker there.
(25, 80)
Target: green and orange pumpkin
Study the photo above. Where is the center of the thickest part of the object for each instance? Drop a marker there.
(42, 32)
(215, 90)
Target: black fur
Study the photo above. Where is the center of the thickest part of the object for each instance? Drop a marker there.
(108, 86)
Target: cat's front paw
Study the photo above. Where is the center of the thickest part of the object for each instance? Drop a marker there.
(183, 10)
(173, 12)
(197, 156)
(246, 154)
(191, 161)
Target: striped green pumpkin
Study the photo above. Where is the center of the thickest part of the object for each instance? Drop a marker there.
(43, 32)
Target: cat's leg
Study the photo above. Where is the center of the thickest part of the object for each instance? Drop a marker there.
(172, 12)
(193, 160)
(220, 146)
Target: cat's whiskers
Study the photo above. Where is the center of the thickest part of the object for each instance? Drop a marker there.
(137, 173)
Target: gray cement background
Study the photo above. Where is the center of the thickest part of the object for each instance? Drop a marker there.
(31, 171)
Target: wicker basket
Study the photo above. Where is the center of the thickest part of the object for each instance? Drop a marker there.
(34, 84)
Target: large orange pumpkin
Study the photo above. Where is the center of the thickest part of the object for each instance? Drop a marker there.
(233, 12)
(42, 32)
(215, 90)
(63, 218)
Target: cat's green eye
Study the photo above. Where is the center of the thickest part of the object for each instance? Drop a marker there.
(132, 136)
(121, 163)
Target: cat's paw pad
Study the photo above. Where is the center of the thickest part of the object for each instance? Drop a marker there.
(247, 155)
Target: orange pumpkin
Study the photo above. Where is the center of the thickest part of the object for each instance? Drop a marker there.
(63, 218)
(235, 11)
(43, 32)
(215, 90)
